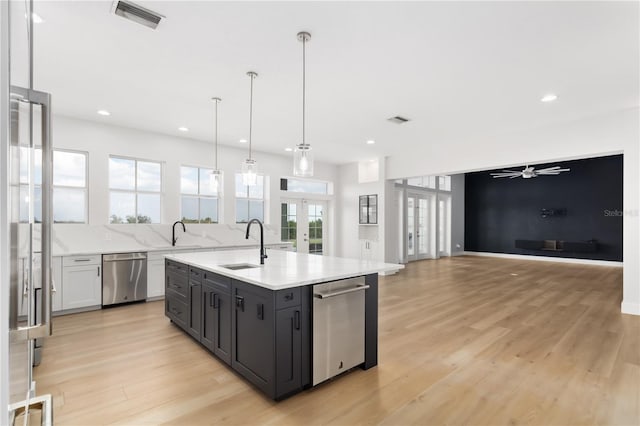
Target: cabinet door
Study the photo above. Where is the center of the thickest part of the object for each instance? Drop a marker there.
(252, 335)
(209, 320)
(373, 209)
(288, 350)
(195, 309)
(82, 286)
(363, 208)
(222, 331)
(155, 278)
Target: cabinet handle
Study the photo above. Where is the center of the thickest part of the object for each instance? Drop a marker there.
(288, 297)
(81, 260)
(260, 311)
(296, 320)
(98, 271)
(240, 303)
(216, 301)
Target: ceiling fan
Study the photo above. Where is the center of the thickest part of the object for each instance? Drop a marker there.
(530, 172)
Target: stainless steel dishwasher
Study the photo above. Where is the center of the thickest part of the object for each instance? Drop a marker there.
(338, 327)
(124, 278)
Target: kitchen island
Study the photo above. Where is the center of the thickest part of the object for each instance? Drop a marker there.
(287, 325)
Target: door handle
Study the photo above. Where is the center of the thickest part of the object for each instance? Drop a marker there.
(260, 309)
(240, 303)
(43, 328)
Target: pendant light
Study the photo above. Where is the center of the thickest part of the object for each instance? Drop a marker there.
(302, 157)
(250, 166)
(215, 179)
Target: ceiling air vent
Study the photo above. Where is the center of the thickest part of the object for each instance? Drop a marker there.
(135, 13)
(398, 119)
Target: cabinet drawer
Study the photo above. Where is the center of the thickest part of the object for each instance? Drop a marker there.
(195, 275)
(175, 284)
(287, 298)
(219, 282)
(94, 259)
(176, 310)
(176, 267)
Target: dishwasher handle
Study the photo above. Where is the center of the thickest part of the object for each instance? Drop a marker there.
(340, 292)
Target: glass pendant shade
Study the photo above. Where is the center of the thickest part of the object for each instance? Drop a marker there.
(249, 172)
(303, 161)
(215, 181)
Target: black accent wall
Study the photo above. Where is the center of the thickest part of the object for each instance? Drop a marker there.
(588, 198)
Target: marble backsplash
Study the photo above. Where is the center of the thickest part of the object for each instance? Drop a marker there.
(70, 239)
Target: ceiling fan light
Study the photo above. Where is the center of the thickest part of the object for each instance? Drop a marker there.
(303, 161)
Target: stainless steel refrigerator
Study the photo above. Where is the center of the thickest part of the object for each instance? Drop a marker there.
(25, 218)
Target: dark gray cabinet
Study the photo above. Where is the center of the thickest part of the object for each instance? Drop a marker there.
(288, 350)
(215, 332)
(252, 334)
(195, 303)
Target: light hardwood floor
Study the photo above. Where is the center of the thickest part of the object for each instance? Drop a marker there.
(465, 340)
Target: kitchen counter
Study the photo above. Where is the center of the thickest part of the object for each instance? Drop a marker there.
(282, 269)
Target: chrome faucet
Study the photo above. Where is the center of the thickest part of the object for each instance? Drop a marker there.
(173, 234)
(263, 253)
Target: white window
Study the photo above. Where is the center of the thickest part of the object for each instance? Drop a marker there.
(199, 202)
(423, 182)
(135, 188)
(69, 186)
(249, 200)
(444, 183)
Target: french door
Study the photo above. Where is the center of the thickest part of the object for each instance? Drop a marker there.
(303, 223)
(421, 226)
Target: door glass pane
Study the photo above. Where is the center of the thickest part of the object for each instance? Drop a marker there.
(123, 207)
(289, 224)
(189, 209)
(423, 226)
(410, 226)
(315, 228)
(149, 176)
(148, 208)
(69, 205)
(122, 173)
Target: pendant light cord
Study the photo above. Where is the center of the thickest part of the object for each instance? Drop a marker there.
(250, 113)
(304, 88)
(216, 149)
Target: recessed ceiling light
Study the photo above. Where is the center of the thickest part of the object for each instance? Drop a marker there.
(183, 129)
(550, 97)
(370, 142)
(104, 112)
(288, 149)
(242, 141)
(37, 19)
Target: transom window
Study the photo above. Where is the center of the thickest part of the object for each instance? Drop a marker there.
(199, 201)
(135, 188)
(249, 200)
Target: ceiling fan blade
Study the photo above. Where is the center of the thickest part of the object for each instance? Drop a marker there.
(552, 172)
(501, 175)
(548, 168)
(513, 177)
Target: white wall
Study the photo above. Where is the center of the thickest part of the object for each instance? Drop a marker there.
(617, 132)
(457, 214)
(349, 232)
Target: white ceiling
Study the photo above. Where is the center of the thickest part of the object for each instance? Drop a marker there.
(456, 69)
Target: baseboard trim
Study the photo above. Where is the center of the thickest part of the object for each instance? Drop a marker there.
(546, 259)
(630, 308)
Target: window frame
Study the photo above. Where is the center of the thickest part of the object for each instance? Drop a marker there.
(135, 191)
(199, 196)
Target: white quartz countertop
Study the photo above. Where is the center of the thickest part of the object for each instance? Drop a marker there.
(282, 269)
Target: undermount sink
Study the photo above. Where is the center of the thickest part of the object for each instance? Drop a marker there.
(238, 266)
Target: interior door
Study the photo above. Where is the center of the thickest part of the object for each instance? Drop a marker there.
(303, 223)
(26, 188)
(420, 238)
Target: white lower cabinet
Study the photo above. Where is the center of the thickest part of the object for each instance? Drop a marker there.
(155, 274)
(368, 250)
(81, 281)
